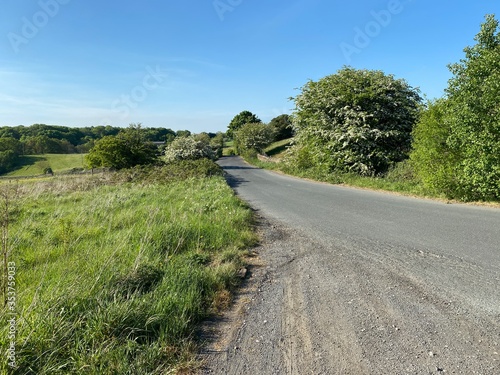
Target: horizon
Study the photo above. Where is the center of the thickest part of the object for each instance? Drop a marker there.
(192, 66)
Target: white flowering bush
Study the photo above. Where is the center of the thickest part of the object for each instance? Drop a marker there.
(252, 137)
(354, 121)
(188, 148)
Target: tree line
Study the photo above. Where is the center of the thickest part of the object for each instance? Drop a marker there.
(40, 139)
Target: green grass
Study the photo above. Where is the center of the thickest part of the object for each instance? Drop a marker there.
(277, 149)
(228, 148)
(35, 165)
(115, 271)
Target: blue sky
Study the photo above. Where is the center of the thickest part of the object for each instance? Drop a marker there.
(195, 64)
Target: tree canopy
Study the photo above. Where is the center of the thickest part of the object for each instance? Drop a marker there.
(282, 127)
(54, 139)
(468, 125)
(127, 149)
(354, 121)
(242, 118)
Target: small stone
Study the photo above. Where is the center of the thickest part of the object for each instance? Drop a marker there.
(431, 354)
(242, 273)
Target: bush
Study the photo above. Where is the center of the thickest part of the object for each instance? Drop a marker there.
(125, 150)
(252, 137)
(188, 148)
(177, 170)
(474, 118)
(354, 121)
(432, 158)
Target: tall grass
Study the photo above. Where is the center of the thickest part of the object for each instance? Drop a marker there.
(399, 179)
(115, 271)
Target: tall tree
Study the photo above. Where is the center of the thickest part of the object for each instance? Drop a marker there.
(474, 116)
(242, 118)
(282, 127)
(456, 147)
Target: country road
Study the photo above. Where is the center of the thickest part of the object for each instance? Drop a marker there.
(361, 282)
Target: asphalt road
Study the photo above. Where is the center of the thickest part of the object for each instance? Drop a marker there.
(365, 282)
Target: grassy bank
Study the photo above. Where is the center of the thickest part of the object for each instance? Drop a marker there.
(36, 164)
(113, 272)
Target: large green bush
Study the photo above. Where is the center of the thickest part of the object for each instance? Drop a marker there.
(457, 142)
(354, 121)
(125, 150)
(434, 161)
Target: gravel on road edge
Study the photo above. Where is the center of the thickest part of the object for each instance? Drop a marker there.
(314, 308)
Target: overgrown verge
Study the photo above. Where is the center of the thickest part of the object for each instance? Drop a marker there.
(399, 179)
(113, 272)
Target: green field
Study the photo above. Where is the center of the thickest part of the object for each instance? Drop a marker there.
(34, 165)
(113, 272)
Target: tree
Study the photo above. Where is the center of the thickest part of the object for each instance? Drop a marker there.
(182, 133)
(354, 121)
(125, 150)
(242, 118)
(456, 147)
(474, 115)
(282, 127)
(252, 137)
(10, 144)
(8, 160)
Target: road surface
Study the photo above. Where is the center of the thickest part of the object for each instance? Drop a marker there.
(362, 282)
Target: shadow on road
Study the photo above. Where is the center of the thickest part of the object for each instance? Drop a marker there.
(236, 167)
(234, 181)
(228, 167)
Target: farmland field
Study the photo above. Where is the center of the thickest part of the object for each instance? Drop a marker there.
(34, 165)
